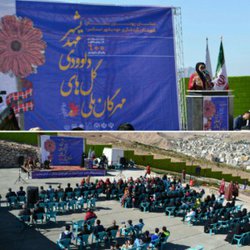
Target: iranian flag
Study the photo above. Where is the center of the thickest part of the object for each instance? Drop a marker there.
(221, 80)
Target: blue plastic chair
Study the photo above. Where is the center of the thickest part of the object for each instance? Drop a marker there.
(69, 195)
(60, 195)
(214, 228)
(12, 200)
(50, 206)
(91, 203)
(77, 225)
(91, 223)
(164, 243)
(42, 196)
(51, 196)
(71, 205)
(241, 238)
(112, 235)
(64, 243)
(170, 211)
(101, 237)
(39, 218)
(127, 232)
(21, 199)
(80, 204)
(138, 229)
(83, 240)
(155, 243)
(61, 206)
(145, 206)
(50, 215)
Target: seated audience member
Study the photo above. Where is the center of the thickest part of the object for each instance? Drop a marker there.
(137, 243)
(67, 234)
(242, 121)
(139, 226)
(77, 188)
(191, 214)
(127, 245)
(127, 226)
(146, 238)
(10, 194)
(21, 192)
(90, 215)
(113, 227)
(164, 233)
(156, 235)
(85, 230)
(236, 229)
(37, 210)
(50, 191)
(98, 228)
(68, 188)
(42, 191)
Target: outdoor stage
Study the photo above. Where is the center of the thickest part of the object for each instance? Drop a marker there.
(66, 172)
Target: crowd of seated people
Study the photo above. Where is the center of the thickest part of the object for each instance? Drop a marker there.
(156, 193)
(133, 239)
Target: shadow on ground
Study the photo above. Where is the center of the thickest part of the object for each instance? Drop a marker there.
(15, 237)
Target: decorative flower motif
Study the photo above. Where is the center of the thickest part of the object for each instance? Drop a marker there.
(50, 146)
(21, 46)
(209, 109)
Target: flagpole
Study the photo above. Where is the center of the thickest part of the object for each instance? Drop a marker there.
(208, 60)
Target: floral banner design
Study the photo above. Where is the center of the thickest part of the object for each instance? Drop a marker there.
(21, 52)
(62, 151)
(215, 113)
(50, 147)
(21, 46)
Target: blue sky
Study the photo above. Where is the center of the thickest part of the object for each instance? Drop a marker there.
(200, 19)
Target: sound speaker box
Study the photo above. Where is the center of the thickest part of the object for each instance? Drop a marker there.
(32, 195)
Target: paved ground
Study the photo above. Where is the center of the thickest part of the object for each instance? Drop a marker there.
(13, 237)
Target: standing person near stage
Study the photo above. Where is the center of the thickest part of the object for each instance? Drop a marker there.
(229, 192)
(222, 187)
(235, 191)
(183, 175)
(148, 171)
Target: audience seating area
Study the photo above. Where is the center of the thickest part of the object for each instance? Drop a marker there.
(164, 195)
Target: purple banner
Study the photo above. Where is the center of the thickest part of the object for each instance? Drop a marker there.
(67, 174)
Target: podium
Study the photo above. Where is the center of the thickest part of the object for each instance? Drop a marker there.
(210, 110)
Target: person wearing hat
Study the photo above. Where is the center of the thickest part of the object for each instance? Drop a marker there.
(242, 121)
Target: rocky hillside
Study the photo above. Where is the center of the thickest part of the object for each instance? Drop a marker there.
(10, 151)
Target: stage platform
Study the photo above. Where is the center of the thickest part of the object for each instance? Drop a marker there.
(66, 172)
